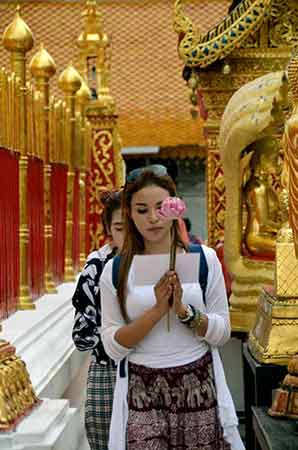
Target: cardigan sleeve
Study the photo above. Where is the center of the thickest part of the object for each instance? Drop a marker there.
(217, 309)
(112, 319)
(86, 301)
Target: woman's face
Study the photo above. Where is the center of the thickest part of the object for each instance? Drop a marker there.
(116, 229)
(144, 206)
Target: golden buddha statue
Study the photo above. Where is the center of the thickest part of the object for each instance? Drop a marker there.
(290, 140)
(262, 202)
(273, 338)
(252, 216)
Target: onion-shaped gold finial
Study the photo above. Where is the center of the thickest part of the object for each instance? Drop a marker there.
(18, 36)
(42, 64)
(84, 93)
(70, 80)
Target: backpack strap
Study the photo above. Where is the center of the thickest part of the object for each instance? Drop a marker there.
(203, 271)
(115, 273)
(115, 270)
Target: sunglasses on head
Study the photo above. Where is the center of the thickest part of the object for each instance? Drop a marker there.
(156, 169)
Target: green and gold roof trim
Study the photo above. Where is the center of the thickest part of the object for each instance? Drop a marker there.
(198, 50)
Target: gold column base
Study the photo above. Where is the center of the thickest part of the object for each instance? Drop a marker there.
(17, 396)
(69, 273)
(50, 287)
(273, 339)
(243, 305)
(25, 301)
(242, 320)
(82, 261)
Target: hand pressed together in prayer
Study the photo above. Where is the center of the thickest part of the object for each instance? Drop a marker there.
(168, 287)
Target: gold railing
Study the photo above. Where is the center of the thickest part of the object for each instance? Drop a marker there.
(54, 131)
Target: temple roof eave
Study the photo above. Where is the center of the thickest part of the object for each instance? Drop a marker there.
(200, 51)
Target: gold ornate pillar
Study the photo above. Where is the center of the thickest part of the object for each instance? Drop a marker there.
(18, 40)
(69, 82)
(106, 169)
(83, 159)
(43, 68)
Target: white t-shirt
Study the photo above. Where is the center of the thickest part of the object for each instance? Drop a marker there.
(161, 348)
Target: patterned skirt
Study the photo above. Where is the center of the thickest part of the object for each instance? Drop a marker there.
(174, 408)
(98, 407)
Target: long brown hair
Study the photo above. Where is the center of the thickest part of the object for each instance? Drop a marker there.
(133, 240)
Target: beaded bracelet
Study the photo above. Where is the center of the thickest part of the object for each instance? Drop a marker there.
(190, 313)
(197, 320)
(193, 319)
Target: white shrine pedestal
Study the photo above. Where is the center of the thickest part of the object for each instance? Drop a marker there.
(42, 338)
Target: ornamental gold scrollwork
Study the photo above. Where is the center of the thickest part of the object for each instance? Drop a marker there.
(103, 174)
(102, 168)
(198, 50)
(103, 144)
(216, 199)
(96, 235)
(17, 396)
(283, 23)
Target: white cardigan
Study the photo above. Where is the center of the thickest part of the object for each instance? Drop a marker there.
(156, 349)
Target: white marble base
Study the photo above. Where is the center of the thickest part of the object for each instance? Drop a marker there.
(42, 338)
(51, 426)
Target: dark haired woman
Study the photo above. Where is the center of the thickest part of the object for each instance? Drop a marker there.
(87, 325)
(175, 396)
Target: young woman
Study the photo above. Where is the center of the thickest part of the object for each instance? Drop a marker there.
(86, 329)
(176, 395)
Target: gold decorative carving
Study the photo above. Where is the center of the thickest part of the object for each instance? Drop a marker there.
(216, 198)
(283, 23)
(250, 114)
(273, 338)
(17, 396)
(197, 50)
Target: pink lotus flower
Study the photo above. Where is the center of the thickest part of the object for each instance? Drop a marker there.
(172, 208)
